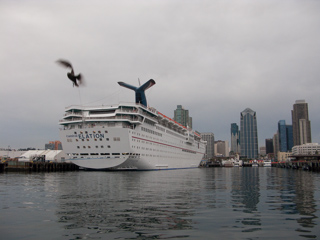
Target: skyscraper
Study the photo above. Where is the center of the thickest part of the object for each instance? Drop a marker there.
(249, 134)
(285, 136)
(181, 116)
(301, 126)
(269, 145)
(209, 137)
(235, 138)
(221, 148)
(276, 144)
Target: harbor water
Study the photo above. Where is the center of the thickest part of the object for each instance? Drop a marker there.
(203, 203)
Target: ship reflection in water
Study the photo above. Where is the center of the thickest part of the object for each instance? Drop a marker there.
(130, 204)
(207, 203)
(192, 204)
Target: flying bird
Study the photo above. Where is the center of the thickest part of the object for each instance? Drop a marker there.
(76, 79)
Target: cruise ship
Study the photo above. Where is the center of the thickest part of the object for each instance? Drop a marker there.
(128, 136)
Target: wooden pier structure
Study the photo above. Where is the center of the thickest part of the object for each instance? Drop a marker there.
(312, 165)
(304, 162)
(15, 166)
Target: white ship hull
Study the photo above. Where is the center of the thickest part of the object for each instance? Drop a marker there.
(121, 141)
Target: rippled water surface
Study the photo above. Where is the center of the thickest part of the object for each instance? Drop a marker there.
(214, 203)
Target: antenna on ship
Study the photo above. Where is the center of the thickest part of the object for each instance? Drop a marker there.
(140, 91)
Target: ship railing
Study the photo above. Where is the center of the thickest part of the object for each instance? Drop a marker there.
(143, 113)
(72, 113)
(125, 117)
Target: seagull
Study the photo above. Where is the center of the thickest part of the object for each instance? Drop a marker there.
(71, 75)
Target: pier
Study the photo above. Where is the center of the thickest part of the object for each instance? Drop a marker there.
(15, 166)
(312, 165)
(304, 162)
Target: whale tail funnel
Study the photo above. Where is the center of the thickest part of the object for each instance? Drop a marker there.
(140, 91)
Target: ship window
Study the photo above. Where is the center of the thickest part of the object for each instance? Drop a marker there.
(105, 154)
(116, 139)
(108, 146)
(84, 154)
(107, 139)
(102, 146)
(94, 154)
(96, 146)
(115, 153)
(89, 147)
(95, 139)
(99, 131)
(75, 132)
(106, 131)
(86, 132)
(78, 147)
(100, 139)
(84, 146)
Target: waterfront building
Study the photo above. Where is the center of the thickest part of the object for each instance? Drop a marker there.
(249, 134)
(306, 149)
(221, 148)
(209, 138)
(10, 153)
(269, 145)
(301, 126)
(285, 136)
(263, 151)
(276, 144)
(235, 138)
(42, 155)
(283, 156)
(181, 116)
(53, 145)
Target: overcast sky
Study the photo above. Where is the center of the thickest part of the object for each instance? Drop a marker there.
(215, 58)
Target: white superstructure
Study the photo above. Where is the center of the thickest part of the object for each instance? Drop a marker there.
(128, 136)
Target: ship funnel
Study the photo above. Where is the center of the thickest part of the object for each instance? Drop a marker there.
(140, 91)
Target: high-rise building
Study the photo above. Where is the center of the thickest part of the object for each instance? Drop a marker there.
(276, 144)
(269, 145)
(209, 137)
(181, 116)
(249, 134)
(235, 138)
(301, 126)
(221, 148)
(285, 136)
(262, 151)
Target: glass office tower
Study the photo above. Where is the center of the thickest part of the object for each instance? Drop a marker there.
(285, 136)
(181, 116)
(235, 138)
(249, 134)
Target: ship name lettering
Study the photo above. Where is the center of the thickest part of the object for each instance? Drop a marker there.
(95, 135)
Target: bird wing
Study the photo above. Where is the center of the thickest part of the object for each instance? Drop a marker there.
(64, 63)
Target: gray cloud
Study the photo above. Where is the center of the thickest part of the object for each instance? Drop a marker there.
(216, 58)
